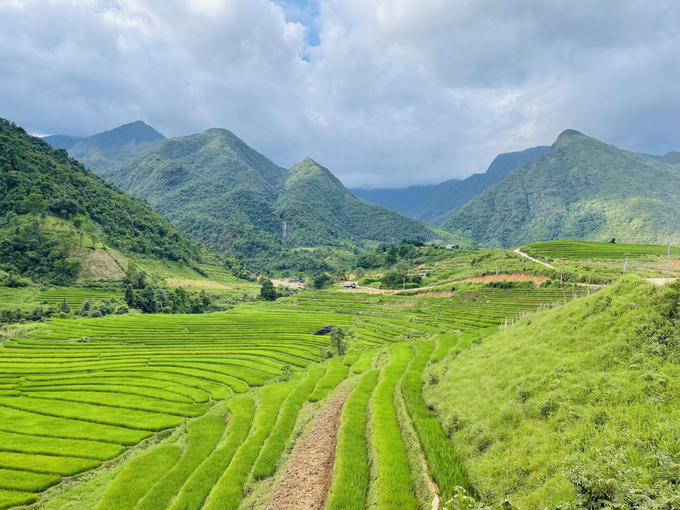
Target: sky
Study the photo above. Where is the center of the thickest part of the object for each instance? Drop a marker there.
(384, 93)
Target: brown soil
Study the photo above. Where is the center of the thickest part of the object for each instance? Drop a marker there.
(675, 263)
(305, 485)
(507, 278)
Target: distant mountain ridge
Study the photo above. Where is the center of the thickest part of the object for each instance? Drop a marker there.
(232, 198)
(434, 204)
(581, 188)
(104, 150)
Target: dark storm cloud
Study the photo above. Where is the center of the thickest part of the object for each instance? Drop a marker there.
(384, 93)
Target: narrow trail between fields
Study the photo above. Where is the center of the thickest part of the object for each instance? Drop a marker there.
(310, 472)
(518, 252)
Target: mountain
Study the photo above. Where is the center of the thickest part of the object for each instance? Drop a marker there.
(62, 141)
(233, 198)
(105, 150)
(672, 158)
(581, 189)
(434, 204)
(36, 178)
(405, 200)
(318, 209)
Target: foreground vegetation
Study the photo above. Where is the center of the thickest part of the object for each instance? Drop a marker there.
(576, 407)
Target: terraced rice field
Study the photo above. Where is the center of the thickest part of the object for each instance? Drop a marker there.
(205, 397)
(75, 297)
(586, 250)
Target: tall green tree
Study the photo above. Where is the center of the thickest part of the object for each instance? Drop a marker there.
(34, 204)
(267, 291)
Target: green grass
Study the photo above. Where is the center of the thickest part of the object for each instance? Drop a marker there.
(571, 402)
(202, 437)
(351, 472)
(227, 493)
(446, 466)
(202, 480)
(335, 374)
(266, 462)
(138, 477)
(395, 488)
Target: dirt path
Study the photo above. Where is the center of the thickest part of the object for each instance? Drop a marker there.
(305, 485)
(659, 281)
(518, 252)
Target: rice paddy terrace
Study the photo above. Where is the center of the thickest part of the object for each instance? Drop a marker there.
(145, 397)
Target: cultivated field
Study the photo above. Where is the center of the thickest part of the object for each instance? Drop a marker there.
(151, 412)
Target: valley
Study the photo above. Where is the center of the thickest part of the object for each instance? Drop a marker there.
(230, 367)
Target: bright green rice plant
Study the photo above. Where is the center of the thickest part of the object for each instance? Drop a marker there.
(445, 465)
(394, 474)
(228, 492)
(133, 482)
(21, 443)
(266, 462)
(202, 436)
(364, 362)
(64, 466)
(26, 481)
(128, 418)
(335, 374)
(351, 357)
(9, 499)
(350, 481)
(202, 480)
(24, 422)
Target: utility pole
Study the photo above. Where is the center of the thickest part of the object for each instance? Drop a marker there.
(561, 273)
(668, 266)
(624, 266)
(404, 286)
(496, 272)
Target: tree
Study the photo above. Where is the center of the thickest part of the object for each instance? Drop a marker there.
(360, 272)
(338, 341)
(130, 296)
(267, 292)
(78, 221)
(63, 307)
(34, 203)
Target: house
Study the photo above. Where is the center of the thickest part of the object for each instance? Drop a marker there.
(350, 285)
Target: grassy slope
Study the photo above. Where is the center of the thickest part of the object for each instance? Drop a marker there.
(581, 189)
(579, 402)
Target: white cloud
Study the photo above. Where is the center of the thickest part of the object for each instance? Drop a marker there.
(397, 92)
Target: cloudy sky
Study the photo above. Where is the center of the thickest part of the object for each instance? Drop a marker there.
(385, 93)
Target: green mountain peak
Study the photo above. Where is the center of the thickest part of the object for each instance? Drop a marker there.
(568, 136)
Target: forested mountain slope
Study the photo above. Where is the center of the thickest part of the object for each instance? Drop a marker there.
(318, 209)
(104, 150)
(581, 189)
(40, 180)
(434, 204)
(231, 197)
